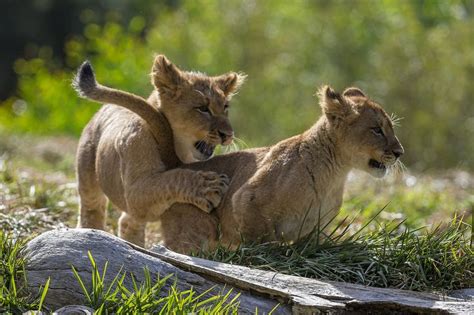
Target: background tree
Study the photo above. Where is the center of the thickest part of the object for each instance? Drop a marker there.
(414, 57)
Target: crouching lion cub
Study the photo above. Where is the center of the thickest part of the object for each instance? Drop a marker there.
(285, 191)
(130, 159)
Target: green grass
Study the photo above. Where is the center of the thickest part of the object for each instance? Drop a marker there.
(150, 296)
(438, 259)
(13, 296)
(416, 199)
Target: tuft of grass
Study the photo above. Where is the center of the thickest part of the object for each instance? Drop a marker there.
(99, 296)
(150, 296)
(155, 296)
(438, 259)
(13, 296)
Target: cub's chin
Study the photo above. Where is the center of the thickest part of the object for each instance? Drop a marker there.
(376, 169)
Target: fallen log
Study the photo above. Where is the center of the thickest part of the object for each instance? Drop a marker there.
(52, 253)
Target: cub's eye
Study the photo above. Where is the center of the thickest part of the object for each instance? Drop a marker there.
(377, 131)
(203, 109)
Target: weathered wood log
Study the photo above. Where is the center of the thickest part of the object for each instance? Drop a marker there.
(52, 253)
(311, 294)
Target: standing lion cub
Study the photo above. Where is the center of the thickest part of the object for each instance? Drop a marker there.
(131, 159)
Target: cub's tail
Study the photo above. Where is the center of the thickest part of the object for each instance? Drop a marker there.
(87, 87)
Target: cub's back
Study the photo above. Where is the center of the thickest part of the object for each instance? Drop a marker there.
(111, 134)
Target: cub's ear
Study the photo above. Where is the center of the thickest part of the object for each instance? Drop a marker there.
(353, 92)
(230, 82)
(333, 105)
(165, 76)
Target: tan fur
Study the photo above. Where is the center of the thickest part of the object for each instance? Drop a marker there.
(285, 191)
(131, 160)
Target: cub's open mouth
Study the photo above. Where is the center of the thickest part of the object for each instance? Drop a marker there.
(205, 148)
(375, 164)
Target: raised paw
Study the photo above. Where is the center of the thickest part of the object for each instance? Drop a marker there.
(210, 190)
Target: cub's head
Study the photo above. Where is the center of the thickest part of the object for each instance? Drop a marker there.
(196, 106)
(363, 129)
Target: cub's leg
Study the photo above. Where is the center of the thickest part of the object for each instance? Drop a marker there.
(131, 229)
(93, 202)
(250, 205)
(187, 229)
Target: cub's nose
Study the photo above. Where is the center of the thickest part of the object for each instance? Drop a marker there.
(398, 152)
(226, 137)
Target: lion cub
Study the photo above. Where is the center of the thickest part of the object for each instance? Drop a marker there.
(283, 192)
(131, 159)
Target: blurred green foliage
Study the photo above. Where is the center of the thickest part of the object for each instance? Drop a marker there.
(415, 57)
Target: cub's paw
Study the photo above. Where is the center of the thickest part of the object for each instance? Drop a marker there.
(210, 190)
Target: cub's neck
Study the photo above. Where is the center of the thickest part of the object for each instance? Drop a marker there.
(163, 134)
(182, 146)
(327, 161)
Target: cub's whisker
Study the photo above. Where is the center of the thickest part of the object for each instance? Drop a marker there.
(240, 144)
(395, 120)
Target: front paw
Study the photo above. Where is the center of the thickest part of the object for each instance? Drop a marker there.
(210, 190)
